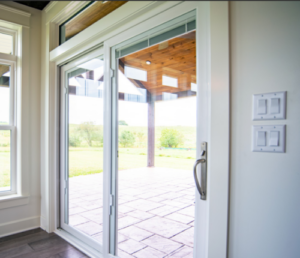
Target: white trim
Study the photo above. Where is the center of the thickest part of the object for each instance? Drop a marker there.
(18, 226)
(72, 8)
(124, 17)
(78, 244)
(50, 5)
(107, 134)
(13, 26)
(218, 177)
(13, 10)
(13, 200)
(8, 57)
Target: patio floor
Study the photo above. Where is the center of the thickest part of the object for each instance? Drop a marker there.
(156, 211)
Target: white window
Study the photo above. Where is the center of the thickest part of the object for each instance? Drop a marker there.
(169, 81)
(8, 181)
(135, 73)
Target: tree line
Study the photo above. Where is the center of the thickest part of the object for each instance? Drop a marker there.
(92, 135)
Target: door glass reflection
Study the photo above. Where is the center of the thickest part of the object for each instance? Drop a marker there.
(85, 151)
(157, 149)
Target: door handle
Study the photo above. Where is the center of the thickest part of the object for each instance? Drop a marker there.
(203, 161)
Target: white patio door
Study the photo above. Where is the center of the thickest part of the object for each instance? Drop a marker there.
(156, 138)
(81, 146)
(136, 116)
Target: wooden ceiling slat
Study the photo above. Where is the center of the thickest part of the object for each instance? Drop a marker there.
(3, 69)
(177, 60)
(94, 13)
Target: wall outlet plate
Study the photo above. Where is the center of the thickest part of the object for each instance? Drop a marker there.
(274, 140)
(269, 106)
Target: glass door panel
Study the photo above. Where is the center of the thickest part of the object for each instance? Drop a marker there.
(157, 149)
(82, 145)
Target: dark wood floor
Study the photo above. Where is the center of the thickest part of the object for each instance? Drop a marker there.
(37, 243)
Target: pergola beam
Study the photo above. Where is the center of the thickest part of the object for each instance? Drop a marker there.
(151, 130)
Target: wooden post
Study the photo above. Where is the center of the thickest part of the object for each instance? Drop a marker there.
(151, 131)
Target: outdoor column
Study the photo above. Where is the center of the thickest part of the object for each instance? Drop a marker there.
(151, 132)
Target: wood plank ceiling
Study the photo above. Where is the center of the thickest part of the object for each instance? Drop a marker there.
(175, 58)
(3, 69)
(87, 17)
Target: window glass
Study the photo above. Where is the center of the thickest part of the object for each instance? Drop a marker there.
(85, 150)
(157, 127)
(87, 16)
(4, 94)
(6, 43)
(5, 140)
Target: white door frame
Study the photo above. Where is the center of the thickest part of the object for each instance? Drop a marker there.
(64, 147)
(213, 114)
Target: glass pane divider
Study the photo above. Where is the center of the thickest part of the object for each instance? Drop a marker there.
(7, 127)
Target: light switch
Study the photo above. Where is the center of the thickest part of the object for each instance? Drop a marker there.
(274, 138)
(262, 106)
(261, 138)
(275, 105)
(268, 138)
(269, 106)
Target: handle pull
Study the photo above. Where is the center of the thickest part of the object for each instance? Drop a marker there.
(203, 161)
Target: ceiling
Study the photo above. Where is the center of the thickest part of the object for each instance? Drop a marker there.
(89, 16)
(40, 5)
(175, 58)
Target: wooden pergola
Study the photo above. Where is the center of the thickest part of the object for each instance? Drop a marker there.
(175, 58)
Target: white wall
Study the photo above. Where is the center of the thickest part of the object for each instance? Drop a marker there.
(264, 195)
(265, 187)
(20, 218)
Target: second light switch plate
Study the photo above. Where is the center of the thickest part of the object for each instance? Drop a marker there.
(269, 106)
(268, 138)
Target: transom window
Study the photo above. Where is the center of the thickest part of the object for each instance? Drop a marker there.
(87, 16)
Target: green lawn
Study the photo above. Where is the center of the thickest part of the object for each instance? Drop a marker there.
(4, 166)
(84, 161)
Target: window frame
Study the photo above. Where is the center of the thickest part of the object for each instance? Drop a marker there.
(10, 59)
(12, 33)
(61, 28)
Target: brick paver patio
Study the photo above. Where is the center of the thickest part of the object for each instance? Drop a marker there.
(156, 211)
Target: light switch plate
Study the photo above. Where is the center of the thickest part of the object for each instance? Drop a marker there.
(270, 132)
(275, 106)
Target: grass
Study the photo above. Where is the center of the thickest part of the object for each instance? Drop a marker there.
(85, 161)
(4, 166)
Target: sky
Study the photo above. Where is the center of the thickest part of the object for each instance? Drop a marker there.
(178, 112)
(4, 104)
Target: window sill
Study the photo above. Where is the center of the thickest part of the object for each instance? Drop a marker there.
(13, 200)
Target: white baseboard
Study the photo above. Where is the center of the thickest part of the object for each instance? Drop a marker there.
(19, 226)
(43, 224)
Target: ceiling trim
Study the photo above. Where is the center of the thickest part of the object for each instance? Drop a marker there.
(49, 6)
(72, 8)
(13, 10)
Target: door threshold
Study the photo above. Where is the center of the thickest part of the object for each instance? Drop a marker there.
(86, 249)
